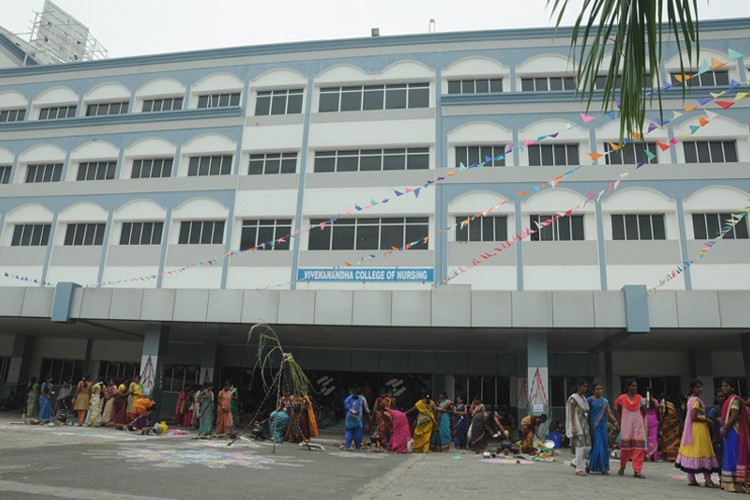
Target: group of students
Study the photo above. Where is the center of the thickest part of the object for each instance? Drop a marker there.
(94, 404)
(587, 428)
(436, 424)
(198, 407)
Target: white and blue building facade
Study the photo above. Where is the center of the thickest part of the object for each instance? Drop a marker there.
(128, 187)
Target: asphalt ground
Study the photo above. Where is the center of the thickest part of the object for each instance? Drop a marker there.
(101, 463)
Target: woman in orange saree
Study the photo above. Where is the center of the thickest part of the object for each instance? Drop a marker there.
(669, 444)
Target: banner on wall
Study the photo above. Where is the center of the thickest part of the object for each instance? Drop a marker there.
(369, 274)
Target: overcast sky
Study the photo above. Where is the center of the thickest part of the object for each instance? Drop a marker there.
(138, 27)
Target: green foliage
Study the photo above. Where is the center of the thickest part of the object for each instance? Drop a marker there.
(632, 31)
(268, 345)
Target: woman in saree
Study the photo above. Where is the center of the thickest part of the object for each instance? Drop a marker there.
(631, 408)
(206, 411)
(652, 426)
(425, 423)
(696, 454)
(669, 422)
(135, 391)
(94, 418)
(382, 419)
(400, 432)
(734, 430)
(460, 424)
(529, 429)
(32, 399)
(599, 415)
(120, 407)
(311, 419)
(441, 438)
(483, 426)
(108, 417)
(224, 410)
(299, 421)
(277, 423)
(82, 399)
(45, 401)
(179, 408)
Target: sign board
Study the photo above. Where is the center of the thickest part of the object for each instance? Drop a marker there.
(368, 274)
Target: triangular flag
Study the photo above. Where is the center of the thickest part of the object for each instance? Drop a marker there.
(724, 104)
(740, 96)
(635, 135)
(710, 114)
(587, 118)
(694, 128)
(416, 192)
(637, 166)
(678, 77)
(651, 127)
(675, 115)
(554, 136)
(358, 208)
(614, 146)
(673, 140)
(716, 64)
(703, 121)
(611, 115)
(703, 100)
(451, 173)
(705, 68)
(528, 142)
(650, 155)
(688, 109)
(663, 146)
(733, 84)
(716, 95)
(733, 55)
(595, 156)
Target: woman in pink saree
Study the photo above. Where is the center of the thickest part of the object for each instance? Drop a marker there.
(400, 431)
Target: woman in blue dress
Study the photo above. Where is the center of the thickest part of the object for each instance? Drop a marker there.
(441, 437)
(460, 422)
(206, 411)
(599, 413)
(45, 401)
(278, 421)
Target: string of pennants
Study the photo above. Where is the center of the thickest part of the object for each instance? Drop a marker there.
(416, 190)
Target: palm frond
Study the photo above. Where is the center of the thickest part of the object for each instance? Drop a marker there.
(633, 31)
(269, 346)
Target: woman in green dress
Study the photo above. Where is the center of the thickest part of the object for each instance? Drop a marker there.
(32, 399)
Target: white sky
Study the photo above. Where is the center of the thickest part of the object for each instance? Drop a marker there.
(139, 27)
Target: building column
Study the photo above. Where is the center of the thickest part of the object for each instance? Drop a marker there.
(153, 360)
(209, 362)
(701, 367)
(20, 365)
(537, 374)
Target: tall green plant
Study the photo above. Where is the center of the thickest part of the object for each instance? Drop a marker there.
(633, 32)
(269, 345)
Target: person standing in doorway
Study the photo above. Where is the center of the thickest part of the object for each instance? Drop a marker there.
(577, 425)
(631, 408)
(355, 406)
(441, 438)
(224, 410)
(45, 401)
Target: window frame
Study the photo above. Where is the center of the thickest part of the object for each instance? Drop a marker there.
(96, 170)
(37, 173)
(554, 150)
(631, 227)
(70, 111)
(167, 165)
(567, 83)
(109, 108)
(393, 91)
(36, 235)
(481, 153)
(79, 234)
(212, 100)
(173, 104)
(185, 237)
(467, 233)
(466, 89)
(639, 155)
(289, 101)
(554, 227)
(196, 165)
(5, 173)
(12, 115)
(390, 159)
(710, 151)
(155, 233)
(281, 228)
(712, 230)
(360, 229)
(265, 163)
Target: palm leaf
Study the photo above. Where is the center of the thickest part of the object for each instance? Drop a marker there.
(269, 344)
(633, 31)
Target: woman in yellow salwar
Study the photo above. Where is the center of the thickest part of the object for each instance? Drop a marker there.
(425, 424)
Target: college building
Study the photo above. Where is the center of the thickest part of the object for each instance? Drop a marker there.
(436, 211)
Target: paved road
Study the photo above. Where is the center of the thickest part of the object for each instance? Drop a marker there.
(71, 462)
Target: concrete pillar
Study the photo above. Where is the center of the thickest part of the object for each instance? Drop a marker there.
(153, 360)
(746, 357)
(701, 366)
(537, 373)
(20, 363)
(209, 363)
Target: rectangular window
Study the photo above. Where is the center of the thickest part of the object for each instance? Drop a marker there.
(57, 112)
(553, 154)
(375, 97)
(219, 100)
(709, 226)
(60, 369)
(638, 227)
(205, 232)
(279, 102)
(12, 115)
(163, 104)
(31, 235)
(710, 151)
(107, 108)
(475, 86)
(707, 79)
(548, 83)
(51, 172)
(210, 165)
(562, 229)
(5, 174)
(84, 235)
(255, 232)
(490, 228)
(273, 163)
(472, 155)
(372, 160)
(141, 233)
(96, 170)
(630, 154)
(178, 376)
(368, 233)
(118, 370)
(149, 168)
